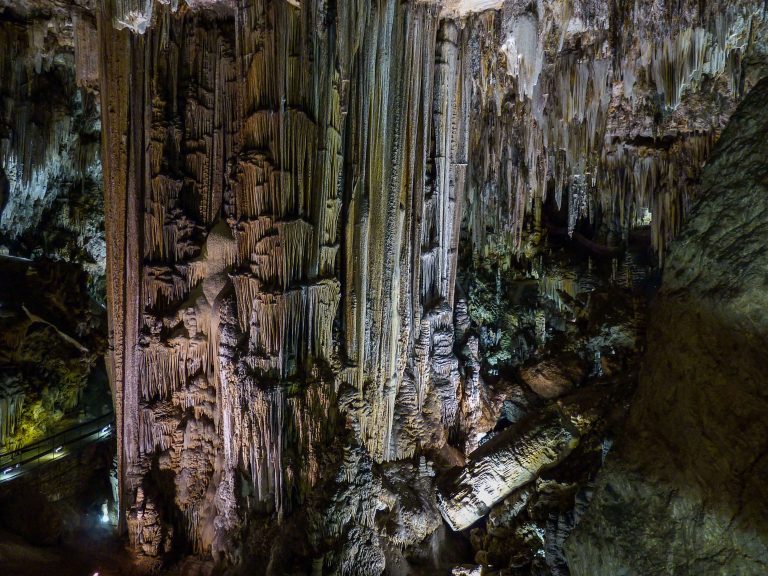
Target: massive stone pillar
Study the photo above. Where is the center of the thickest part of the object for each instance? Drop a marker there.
(267, 166)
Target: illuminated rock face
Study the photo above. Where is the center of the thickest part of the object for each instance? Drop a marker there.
(237, 335)
(684, 492)
(286, 188)
(507, 462)
(323, 222)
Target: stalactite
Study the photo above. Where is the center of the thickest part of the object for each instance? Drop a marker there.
(525, 54)
(135, 15)
(660, 180)
(166, 284)
(166, 367)
(273, 420)
(275, 251)
(40, 148)
(158, 423)
(551, 286)
(571, 106)
(281, 324)
(316, 163)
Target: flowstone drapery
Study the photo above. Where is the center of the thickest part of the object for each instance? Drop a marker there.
(292, 189)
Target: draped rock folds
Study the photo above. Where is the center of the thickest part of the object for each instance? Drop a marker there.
(286, 187)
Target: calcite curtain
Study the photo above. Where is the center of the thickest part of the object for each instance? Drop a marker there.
(286, 187)
(283, 214)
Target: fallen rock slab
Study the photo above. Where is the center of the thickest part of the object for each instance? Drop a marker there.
(503, 464)
(553, 377)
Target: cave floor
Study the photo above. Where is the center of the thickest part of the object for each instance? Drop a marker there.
(88, 551)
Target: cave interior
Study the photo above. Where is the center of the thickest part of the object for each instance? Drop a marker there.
(367, 287)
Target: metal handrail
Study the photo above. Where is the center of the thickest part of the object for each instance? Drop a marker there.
(54, 442)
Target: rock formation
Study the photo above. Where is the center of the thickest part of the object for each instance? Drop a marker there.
(50, 169)
(509, 461)
(682, 494)
(368, 262)
(52, 329)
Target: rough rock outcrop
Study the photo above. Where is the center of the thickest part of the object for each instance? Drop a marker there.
(683, 491)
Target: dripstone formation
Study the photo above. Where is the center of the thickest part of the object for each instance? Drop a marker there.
(52, 249)
(377, 271)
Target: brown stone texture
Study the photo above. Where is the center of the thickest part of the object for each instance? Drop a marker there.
(551, 378)
(339, 234)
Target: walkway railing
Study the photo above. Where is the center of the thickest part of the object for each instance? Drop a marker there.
(14, 463)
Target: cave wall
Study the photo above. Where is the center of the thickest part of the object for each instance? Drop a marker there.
(292, 191)
(51, 201)
(52, 325)
(682, 491)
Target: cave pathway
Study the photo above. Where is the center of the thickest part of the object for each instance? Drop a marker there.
(16, 463)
